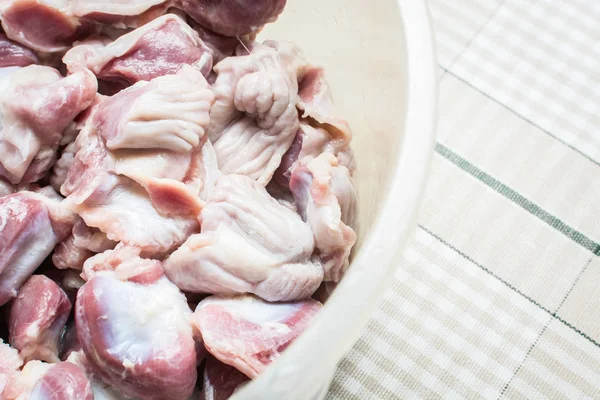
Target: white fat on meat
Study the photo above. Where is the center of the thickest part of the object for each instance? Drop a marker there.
(123, 263)
(326, 199)
(10, 363)
(36, 106)
(41, 381)
(254, 118)
(137, 336)
(31, 224)
(38, 316)
(161, 47)
(140, 166)
(20, 385)
(249, 333)
(100, 389)
(250, 243)
(127, 215)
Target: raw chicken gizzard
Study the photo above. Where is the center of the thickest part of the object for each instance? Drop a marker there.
(175, 197)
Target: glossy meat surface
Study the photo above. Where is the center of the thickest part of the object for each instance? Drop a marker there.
(198, 169)
(38, 380)
(13, 54)
(31, 225)
(139, 167)
(36, 106)
(250, 243)
(137, 336)
(248, 333)
(326, 200)
(37, 317)
(254, 118)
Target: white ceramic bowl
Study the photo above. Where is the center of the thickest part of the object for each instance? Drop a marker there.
(380, 62)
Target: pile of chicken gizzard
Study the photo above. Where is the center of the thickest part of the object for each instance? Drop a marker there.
(176, 197)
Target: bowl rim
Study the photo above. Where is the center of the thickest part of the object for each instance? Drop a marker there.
(345, 317)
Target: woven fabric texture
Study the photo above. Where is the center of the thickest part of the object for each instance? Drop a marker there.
(499, 293)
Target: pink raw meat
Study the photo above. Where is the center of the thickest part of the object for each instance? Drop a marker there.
(138, 337)
(126, 264)
(14, 55)
(67, 255)
(316, 102)
(83, 243)
(254, 118)
(249, 243)
(38, 380)
(143, 162)
(63, 381)
(232, 17)
(321, 130)
(37, 317)
(43, 25)
(221, 381)
(32, 224)
(37, 104)
(326, 200)
(10, 362)
(220, 45)
(158, 48)
(249, 333)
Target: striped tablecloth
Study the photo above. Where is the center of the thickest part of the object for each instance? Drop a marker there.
(499, 293)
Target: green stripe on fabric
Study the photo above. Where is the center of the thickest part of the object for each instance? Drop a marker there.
(518, 199)
(507, 284)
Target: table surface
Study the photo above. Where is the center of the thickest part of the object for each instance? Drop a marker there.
(499, 293)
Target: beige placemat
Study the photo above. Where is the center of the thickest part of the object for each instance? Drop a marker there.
(499, 294)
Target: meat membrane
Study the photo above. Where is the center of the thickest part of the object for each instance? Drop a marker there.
(198, 169)
(137, 334)
(326, 199)
(249, 243)
(143, 162)
(249, 333)
(254, 118)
